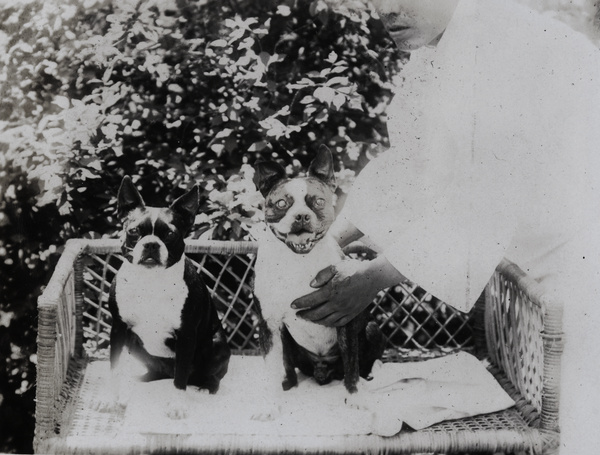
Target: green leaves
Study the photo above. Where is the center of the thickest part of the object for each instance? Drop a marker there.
(207, 96)
(178, 94)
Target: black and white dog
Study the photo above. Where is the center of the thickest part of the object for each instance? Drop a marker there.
(162, 313)
(298, 214)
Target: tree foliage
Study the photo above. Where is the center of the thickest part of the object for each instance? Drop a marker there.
(171, 93)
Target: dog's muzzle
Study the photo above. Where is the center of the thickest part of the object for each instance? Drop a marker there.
(150, 252)
(300, 231)
(322, 373)
(302, 241)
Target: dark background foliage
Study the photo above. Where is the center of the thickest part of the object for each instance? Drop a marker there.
(171, 93)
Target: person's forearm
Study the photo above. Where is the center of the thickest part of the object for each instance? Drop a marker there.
(344, 232)
(383, 273)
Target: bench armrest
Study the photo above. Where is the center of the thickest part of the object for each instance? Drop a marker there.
(523, 327)
(59, 336)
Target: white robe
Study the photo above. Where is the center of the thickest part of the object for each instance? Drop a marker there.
(495, 152)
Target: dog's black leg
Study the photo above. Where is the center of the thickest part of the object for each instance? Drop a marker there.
(291, 378)
(158, 367)
(348, 341)
(118, 338)
(184, 357)
(118, 330)
(265, 335)
(162, 368)
(374, 346)
(219, 363)
(211, 364)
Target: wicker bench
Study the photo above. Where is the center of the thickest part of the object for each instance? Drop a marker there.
(513, 328)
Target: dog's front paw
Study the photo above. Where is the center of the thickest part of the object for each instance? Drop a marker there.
(177, 411)
(289, 382)
(358, 399)
(112, 398)
(178, 405)
(108, 404)
(267, 413)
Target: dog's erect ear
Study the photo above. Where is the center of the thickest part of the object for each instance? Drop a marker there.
(129, 197)
(266, 175)
(322, 167)
(187, 205)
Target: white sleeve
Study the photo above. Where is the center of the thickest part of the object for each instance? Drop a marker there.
(446, 237)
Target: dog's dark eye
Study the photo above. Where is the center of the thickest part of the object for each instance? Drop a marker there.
(320, 202)
(133, 232)
(171, 235)
(281, 204)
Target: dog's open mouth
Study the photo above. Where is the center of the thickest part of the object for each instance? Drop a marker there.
(301, 242)
(150, 261)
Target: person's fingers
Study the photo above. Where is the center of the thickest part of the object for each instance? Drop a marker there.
(316, 314)
(311, 300)
(333, 320)
(323, 277)
(344, 320)
(324, 315)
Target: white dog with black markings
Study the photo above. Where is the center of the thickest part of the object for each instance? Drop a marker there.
(298, 214)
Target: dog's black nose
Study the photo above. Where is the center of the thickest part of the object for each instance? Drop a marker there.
(152, 247)
(303, 217)
(322, 373)
(151, 251)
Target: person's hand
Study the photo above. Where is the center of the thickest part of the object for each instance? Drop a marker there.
(344, 290)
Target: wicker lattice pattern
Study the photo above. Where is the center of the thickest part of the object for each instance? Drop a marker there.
(515, 325)
(518, 329)
(413, 319)
(410, 318)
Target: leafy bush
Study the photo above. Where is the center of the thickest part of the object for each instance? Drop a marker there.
(171, 94)
(173, 102)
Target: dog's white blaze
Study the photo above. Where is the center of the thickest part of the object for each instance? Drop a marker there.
(154, 214)
(281, 276)
(151, 301)
(299, 189)
(136, 254)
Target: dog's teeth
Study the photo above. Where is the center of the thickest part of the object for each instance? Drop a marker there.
(303, 246)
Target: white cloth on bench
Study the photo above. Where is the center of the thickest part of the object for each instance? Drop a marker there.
(419, 394)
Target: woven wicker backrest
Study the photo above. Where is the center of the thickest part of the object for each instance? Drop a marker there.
(411, 319)
(416, 325)
(514, 325)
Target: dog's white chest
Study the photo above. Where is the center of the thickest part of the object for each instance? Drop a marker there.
(151, 302)
(318, 339)
(281, 276)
